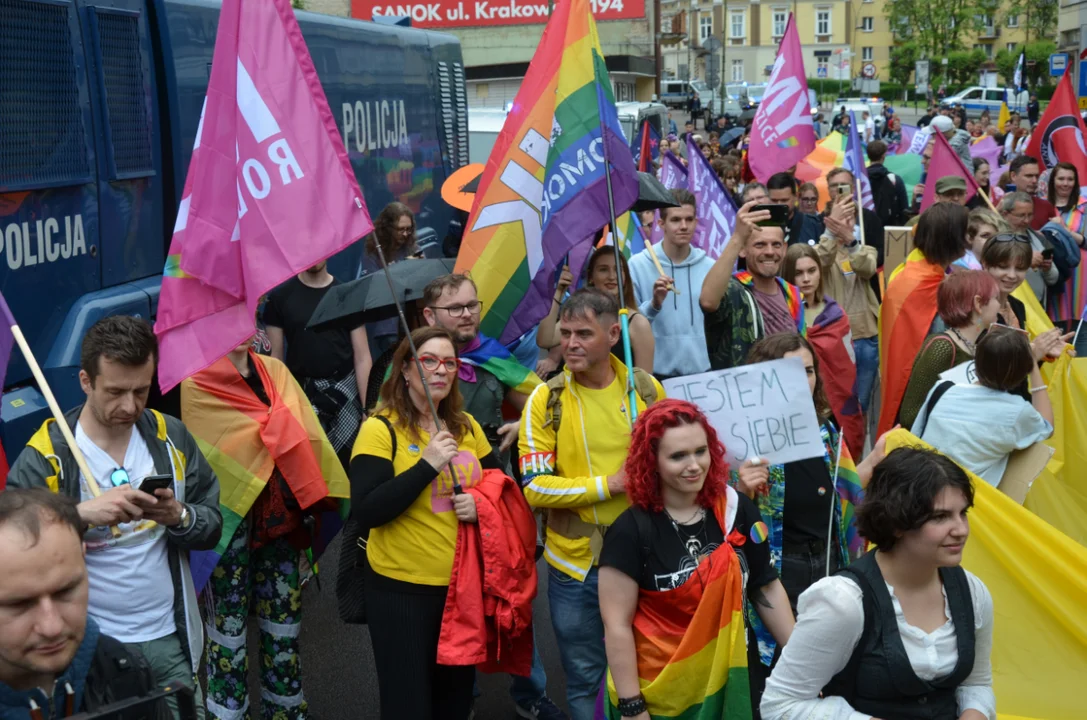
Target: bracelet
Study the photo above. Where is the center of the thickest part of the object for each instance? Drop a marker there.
(1039, 388)
(631, 707)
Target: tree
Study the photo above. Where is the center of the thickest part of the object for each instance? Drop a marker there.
(1039, 52)
(938, 26)
(1037, 17)
(904, 59)
(963, 66)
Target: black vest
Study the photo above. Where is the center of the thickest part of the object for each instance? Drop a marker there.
(879, 680)
(483, 401)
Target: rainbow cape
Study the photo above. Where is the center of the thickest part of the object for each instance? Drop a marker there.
(792, 298)
(909, 306)
(491, 355)
(691, 645)
(244, 440)
(544, 189)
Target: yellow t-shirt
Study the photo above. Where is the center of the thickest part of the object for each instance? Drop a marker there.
(418, 546)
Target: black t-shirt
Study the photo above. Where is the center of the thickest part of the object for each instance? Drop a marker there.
(323, 353)
(808, 495)
(669, 564)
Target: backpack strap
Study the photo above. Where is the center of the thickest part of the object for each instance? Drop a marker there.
(933, 399)
(643, 385)
(389, 427)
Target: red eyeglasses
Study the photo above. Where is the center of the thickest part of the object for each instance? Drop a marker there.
(430, 363)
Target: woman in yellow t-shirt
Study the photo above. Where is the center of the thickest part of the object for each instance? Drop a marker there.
(402, 489)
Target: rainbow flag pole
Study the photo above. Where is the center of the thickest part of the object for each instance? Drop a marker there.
(834, 495)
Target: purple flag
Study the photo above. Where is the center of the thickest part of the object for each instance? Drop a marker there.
(854, 162)
(716, 213)
(672, 175)
(7, 340)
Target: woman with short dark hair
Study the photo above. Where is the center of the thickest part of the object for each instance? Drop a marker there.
(903, 632)
(979, 425)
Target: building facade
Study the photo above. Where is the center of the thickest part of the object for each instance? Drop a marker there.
(1071, 36)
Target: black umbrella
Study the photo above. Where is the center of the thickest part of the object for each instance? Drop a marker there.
(368, 299)
(652, 195)
(748, 115)
(730, 136)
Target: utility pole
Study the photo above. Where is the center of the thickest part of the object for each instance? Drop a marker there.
(657, 46)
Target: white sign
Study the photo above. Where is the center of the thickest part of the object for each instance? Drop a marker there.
(763, 410)
(961, 374)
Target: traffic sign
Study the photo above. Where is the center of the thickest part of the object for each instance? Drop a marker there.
(869, 70)
(1082, 78)
(1058, 63)
(821, 71)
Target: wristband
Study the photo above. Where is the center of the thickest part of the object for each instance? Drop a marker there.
(631, 707)
(1039, 388)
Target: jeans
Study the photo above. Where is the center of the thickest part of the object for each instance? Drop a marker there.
(579, 630)
(799, 571)
(169, 665)
(527, 691)
(866, 350)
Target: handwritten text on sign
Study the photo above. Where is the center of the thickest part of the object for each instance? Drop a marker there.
(763, 410)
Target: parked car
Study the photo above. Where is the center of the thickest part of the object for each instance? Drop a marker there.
(977, 99)
(633, 114)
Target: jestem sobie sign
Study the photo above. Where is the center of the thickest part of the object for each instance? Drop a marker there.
(763, 410)
(468, 13)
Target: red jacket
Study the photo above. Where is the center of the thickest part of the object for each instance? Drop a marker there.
(488, 612)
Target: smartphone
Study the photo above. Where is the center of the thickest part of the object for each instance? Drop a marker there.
(844, 189)
(419, 254)
(151, 483)
(1047, 254)
(779, 215)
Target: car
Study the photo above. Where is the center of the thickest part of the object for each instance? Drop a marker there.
(978, 99)
(859, 106)
(633, 114)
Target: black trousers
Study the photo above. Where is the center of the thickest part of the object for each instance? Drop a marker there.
(404, 621)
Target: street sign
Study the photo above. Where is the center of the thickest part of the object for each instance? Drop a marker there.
(821, 71)
(1058, 63)
(869, 70)
(1082, 78)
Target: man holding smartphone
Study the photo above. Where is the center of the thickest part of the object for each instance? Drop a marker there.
(800, 227)
(141, 589)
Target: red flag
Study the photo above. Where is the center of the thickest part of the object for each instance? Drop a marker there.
(832, 341)
(1058, 137)
(3, 469)
(945, 162)
(646, 150)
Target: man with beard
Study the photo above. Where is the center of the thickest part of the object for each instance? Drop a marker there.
(743, 307)
(52, 654)
(332, 365)
(1024, 172)
(138, 544)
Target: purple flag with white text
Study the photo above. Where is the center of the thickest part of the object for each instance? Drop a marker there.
(715, 212)
(854, 162)
(672, 175)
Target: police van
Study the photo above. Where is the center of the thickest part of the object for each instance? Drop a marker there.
(99, 104)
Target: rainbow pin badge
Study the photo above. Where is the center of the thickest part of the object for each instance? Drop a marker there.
(759, 533)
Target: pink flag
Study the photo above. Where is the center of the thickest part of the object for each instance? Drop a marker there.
(270, 190)
(945, 162)
(782, 134)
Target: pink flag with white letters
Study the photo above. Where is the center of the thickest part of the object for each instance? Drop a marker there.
(782, 133)
(270, 190)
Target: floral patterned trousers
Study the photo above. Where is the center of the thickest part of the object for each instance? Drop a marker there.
(269, 575)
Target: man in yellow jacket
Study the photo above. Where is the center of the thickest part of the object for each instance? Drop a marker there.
(574, 437)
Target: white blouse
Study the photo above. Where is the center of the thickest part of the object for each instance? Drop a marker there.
(830, 621)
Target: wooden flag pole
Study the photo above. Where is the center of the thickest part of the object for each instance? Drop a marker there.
(657, 262)
(860, 208)
(80, 461)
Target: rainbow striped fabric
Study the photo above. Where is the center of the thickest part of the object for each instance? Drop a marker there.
(850, 494)
(792, 298)
(691, 646)
(492, 356)
(630, 237)
(544, 189)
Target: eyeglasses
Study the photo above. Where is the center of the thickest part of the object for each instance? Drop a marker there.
(809, 200)
(406, 230)
(475, 308)
(119, 477)
(431, 363)
(1011, 237)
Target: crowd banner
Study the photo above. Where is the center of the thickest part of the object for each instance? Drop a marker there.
(1059, 495)
(269, 192)
(762, 410)
(544, 191)
(1038, 579)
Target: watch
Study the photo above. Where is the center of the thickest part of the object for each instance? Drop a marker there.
(186, 518)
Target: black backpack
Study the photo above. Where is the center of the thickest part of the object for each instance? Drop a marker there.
(885, 200)
(118, 673)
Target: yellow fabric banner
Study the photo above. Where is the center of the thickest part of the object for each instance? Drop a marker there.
(1038, 580)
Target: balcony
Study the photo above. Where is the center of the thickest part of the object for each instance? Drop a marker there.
(989, 32)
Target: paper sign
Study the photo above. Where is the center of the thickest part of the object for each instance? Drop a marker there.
(961, 374)
(1024, 467)
(763, 410)
(898, 242)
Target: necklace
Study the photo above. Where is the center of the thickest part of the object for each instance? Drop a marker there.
(966, 343)
(693, 542)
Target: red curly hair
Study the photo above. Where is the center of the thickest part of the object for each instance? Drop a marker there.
(643, 478)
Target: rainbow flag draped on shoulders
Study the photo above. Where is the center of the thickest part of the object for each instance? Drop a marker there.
(691, 644)
(793, 300)
(491, 355)
(244, 440)
(544, 189)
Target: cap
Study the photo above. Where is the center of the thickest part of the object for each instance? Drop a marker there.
(951, 183)
(942, 123)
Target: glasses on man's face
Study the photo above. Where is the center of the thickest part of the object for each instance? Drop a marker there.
(431, 363)
(457, 311)
(809, 200)
(1011, 237)
(406, 230)
(119, 477)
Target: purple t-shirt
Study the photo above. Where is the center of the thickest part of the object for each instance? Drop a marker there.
(776, 317)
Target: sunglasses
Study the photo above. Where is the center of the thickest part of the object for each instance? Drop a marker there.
(1011, 237)
(119, 477)
(431, 363)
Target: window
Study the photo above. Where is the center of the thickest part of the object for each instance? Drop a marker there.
(780, 17)
(985, 48)
(822, 21)
(821, 64)
(1013, 21)
(866, 54)
(737, 71)
(705, 27)
(736, 23)
(1011, 47)
(866, 24)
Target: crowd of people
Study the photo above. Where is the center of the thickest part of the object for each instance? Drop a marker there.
(654, 545)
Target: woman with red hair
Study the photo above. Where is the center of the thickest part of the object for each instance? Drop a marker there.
(672, 572)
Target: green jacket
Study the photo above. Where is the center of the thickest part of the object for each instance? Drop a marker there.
(47, 462)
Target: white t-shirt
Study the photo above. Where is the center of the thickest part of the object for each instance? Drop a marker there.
(131, 589)
(869, 129)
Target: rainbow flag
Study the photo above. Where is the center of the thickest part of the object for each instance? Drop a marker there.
(544, 189)
(850, 493)
(691, 646)
(630, 237)
(491, 355)
(244, 441)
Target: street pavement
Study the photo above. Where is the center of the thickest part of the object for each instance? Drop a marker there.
(338, 665)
